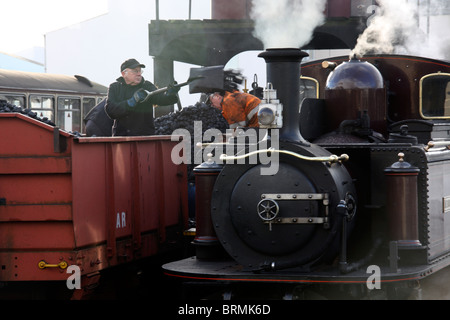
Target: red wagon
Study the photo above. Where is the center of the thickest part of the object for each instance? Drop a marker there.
(93, 203)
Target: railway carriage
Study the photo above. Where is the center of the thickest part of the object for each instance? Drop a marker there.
(63, 100)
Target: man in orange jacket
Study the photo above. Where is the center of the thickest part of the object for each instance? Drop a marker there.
(238, 108)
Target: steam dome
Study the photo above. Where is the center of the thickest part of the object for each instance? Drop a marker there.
(355, 91)
(355, 74)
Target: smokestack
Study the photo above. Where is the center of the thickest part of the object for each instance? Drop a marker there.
(283, 71)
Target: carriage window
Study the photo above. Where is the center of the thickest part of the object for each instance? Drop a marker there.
(88, 104)
(309, 88)
(16, 100)
(69, 114)
(447, 101)
(435, 96)
(44, 106)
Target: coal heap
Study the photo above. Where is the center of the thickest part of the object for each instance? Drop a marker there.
(210, 118)
(7, 107)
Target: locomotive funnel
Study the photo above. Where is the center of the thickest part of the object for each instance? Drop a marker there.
(283, 71)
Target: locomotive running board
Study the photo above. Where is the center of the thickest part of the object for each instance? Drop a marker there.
(193, 269)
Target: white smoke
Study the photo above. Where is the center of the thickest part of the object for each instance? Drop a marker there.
(286, 23)
(395, 29)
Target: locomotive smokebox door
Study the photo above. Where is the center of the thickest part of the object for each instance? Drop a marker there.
(267, 225)
(402, 207)
(283, 220)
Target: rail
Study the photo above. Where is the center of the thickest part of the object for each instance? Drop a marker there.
(332, 158)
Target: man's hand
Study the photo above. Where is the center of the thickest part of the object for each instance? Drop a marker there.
(138, 96)
(172, 90)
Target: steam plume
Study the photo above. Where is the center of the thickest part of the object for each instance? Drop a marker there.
(286, 23)
(394, 29)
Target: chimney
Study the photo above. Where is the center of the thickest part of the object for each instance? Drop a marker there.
(283, 71)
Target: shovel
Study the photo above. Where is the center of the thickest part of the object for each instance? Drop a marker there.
(178, 85)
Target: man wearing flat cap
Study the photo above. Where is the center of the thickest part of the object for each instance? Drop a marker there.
(127, 104)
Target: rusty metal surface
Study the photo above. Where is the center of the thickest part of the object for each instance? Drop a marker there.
(90, 202)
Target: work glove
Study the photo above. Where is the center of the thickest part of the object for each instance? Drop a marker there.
(137, 97)
(172, 90)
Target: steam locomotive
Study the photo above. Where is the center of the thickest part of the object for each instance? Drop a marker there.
(359, 204)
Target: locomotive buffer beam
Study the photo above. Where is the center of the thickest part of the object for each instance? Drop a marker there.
(268, 208)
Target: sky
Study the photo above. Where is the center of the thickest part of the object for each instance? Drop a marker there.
(24, 22)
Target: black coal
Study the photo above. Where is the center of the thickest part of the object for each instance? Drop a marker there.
(210, 118)
(7, 107)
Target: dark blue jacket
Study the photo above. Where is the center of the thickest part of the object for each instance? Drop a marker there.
(97, 122)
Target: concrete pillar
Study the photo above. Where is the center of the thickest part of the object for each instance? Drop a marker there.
(163, 76)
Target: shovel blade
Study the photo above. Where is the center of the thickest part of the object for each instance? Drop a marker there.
(210, 79)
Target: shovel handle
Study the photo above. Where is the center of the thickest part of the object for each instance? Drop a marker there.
(161, 90)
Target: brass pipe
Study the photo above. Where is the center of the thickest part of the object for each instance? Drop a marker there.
(333, 158)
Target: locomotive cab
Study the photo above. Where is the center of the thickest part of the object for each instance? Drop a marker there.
(435, 96)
